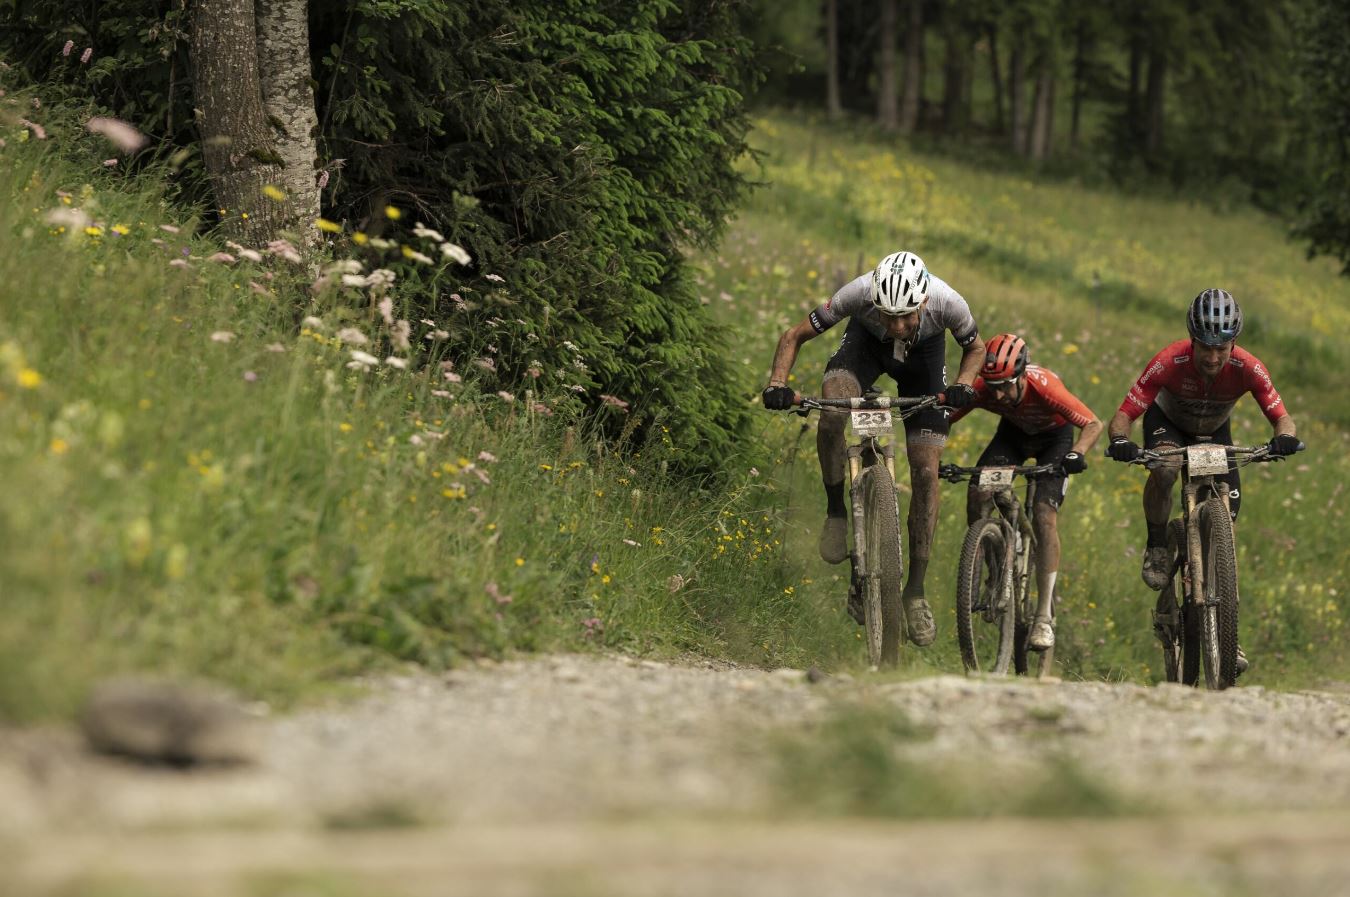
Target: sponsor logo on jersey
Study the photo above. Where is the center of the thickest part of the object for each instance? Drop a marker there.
(816, 323)
(1181, 359)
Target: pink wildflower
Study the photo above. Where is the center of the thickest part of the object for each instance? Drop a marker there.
(70, 45)
(86, 55)
(614, 402)
(120, 134)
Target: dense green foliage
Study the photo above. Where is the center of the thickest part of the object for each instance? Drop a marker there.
(1324, 64)
(577, 151)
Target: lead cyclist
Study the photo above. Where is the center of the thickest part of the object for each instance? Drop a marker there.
(898, 318)
(1186, 396)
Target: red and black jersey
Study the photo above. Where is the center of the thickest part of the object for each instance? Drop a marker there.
(1046, 403)
(1173, 382)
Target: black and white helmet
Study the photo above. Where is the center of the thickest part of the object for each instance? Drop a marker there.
(900, 284)
(1214, 318)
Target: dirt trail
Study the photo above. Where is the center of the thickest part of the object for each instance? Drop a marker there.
(604, 775)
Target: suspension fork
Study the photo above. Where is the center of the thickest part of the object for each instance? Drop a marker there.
(860, 559)
(1194, 550)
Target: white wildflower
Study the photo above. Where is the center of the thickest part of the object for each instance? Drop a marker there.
(353, 336)
(222, 336)
(455, 253)
(396, 362)
(427, 233)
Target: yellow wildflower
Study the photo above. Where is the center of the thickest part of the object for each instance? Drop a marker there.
(276, 193)
(28, 378)
(59, 446)
(393, 213)
(324, 224)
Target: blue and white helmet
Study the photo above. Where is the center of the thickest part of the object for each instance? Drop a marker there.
(900, 284)
(1214, 318)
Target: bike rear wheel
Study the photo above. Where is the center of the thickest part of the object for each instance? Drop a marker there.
(1221, 587)
(884, 577)
(985, 607)
(1171, 634)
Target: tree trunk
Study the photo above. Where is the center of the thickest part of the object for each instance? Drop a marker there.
(997, 79)
(1079, 76)
(1157, 90)
(237, 147)
(288, 98)
(913, 89)
(1016, 88)
(887, 100)
(834, 107)
(954, 79)
(1133, 106)
(1042, 113)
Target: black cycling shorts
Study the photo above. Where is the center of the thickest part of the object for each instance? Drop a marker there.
(1160, 430)
(922, 373)
(1011, 446)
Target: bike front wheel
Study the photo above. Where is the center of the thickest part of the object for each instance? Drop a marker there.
(1220, 628)
(883, 576)
(985, 607)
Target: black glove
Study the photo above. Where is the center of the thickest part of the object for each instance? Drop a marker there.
(778, 398)
(958, 395)
(1284, 444)
(1073, 463)
(1122, 448)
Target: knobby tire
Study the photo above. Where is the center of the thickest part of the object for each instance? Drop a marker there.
(985, 647)
(1221, 582)
(881, 523)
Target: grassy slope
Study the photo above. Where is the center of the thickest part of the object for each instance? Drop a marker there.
(1097, 282)
(253, 511)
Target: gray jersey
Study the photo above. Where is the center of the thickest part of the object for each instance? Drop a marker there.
(946, 310)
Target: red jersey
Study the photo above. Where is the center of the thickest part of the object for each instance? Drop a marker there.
(1176, 385)
(1046, 404)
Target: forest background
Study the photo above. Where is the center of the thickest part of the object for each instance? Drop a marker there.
(414, 330)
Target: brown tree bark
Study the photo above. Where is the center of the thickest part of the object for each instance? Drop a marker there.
(1016, 88)
(1157, 93)
(286, 74)
(834, 106)
(997, 77)
(1042, 112)
(955, 111)
(913, 87)
(1133, 102)
(887, 98)
(1079, 75)
(237, 147)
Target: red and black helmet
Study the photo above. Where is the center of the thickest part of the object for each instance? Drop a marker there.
(1005, 358)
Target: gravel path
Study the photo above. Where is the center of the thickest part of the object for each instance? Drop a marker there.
(617, 771)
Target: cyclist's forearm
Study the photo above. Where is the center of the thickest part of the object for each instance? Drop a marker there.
(1087, 437)
(972, 357)
(1120, 425)
(1285, 426)
(785, 356)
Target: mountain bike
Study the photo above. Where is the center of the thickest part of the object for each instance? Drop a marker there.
(995, 594)
(877, 557)
(1199, 626)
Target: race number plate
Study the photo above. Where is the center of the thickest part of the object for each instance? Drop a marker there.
(1205, 460)
(996, 478)
(872, 423)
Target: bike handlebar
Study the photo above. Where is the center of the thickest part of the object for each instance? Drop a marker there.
(906, 405)
(1249, 454)
(954, 473)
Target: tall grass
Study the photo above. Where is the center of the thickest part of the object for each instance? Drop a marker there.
(1097, 282)
(198, 483)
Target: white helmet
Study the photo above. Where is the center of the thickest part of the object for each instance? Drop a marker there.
(899, 284)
